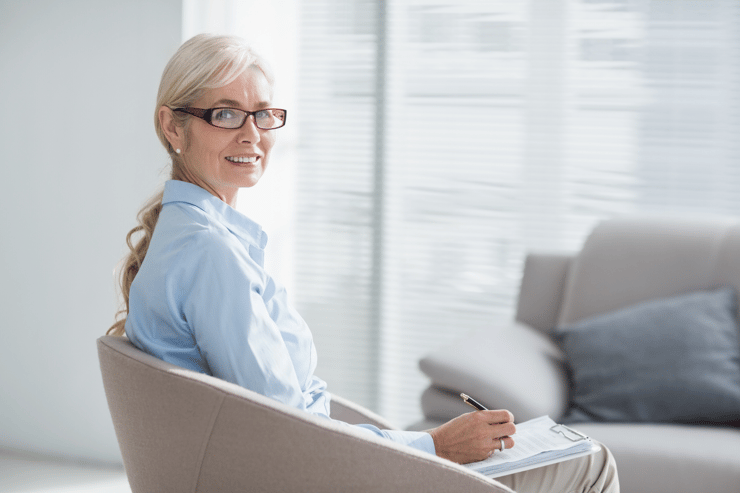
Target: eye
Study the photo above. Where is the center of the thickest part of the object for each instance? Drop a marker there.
(224, 115)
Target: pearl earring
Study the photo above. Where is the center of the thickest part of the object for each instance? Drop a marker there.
(178, 151)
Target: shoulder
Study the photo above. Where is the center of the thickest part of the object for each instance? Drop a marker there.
(186, 224)
(192, 240)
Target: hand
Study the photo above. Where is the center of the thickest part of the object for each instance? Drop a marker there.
(474, 436)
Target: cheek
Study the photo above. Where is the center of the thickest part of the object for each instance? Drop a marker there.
(208, 141)
(267, 144)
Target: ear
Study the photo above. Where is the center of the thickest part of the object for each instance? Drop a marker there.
(175, 135)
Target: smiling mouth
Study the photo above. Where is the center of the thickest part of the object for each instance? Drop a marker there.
(252, 159)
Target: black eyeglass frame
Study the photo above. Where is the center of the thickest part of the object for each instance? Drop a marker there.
(207, 114)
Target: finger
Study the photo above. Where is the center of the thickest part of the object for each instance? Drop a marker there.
(502, 430)
(498, 416)
(508, 444)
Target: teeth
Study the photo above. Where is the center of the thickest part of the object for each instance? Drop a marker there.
(242, 159)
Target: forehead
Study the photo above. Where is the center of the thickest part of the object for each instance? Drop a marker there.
(248, 91)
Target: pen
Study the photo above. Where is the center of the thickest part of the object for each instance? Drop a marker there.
(472, 402)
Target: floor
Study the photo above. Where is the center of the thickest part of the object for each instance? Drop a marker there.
(29, 474)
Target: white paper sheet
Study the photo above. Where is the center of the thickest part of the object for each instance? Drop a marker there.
(538, 442)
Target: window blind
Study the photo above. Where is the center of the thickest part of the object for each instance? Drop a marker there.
(338, 211)
(440, 141)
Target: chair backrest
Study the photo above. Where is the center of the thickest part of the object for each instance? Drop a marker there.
(182, 431)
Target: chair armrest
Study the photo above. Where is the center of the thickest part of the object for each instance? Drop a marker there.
(354, 414)
(287, 451)
(512, 367)
(181, 430)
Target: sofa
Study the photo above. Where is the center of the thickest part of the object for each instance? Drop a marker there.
(657, 296)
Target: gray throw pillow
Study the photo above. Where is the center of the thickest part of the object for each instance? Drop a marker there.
(667, 360)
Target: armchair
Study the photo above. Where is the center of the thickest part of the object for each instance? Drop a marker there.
(180, 430)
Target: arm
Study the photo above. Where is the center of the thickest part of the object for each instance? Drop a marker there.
(246, 335)
(250, 335)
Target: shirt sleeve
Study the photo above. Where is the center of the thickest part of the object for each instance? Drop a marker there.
(237, 334)
(419, 440)
(224, 307)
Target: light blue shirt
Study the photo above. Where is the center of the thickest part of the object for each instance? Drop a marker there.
(203, 301)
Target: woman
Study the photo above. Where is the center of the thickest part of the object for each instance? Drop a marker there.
(195, 290)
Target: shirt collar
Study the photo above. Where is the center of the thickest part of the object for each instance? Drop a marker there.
(234, 221)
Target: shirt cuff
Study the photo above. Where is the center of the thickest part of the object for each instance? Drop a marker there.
(420, 440)
(425, 442)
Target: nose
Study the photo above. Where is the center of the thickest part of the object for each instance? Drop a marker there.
(249, 133)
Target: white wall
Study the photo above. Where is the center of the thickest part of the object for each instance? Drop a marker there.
(78, 81)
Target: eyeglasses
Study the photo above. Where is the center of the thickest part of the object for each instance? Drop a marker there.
(267, 119)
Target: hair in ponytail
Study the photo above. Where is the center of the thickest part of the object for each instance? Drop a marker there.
(147, 221)
(202, 63)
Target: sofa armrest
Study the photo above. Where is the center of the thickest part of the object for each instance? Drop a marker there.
(541, 291)
(513, 367)
(354, 414)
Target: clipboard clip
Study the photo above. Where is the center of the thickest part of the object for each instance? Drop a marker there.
(569, 433)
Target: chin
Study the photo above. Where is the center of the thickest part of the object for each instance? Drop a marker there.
(246, 179)
(250, 181)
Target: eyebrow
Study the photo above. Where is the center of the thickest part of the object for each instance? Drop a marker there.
(236, 104)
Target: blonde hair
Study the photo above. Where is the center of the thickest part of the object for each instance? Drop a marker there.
(202, 63)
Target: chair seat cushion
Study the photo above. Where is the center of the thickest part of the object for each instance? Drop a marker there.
(668, 360)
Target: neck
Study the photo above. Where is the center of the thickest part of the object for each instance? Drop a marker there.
(229, 195)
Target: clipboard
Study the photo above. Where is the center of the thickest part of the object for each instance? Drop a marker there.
(594, 448)
(539, 442)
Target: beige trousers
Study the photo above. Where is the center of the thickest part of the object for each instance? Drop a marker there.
(593, 473)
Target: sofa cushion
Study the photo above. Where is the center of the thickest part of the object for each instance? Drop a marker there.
(668, 360)
(669, 458)
(634, 259)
